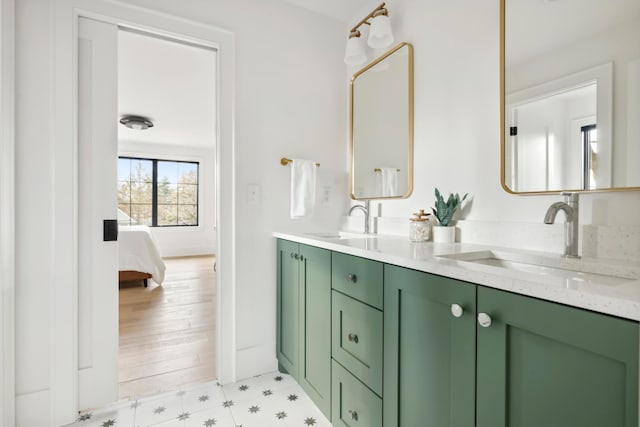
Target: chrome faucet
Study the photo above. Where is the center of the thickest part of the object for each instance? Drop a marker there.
(571, 208)
(366, 209)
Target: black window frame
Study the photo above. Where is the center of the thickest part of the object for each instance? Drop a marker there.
(587, 155)
(154, 189)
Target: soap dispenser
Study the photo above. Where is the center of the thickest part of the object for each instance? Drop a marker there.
(419, 227)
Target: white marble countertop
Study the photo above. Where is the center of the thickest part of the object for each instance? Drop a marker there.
(595, 293)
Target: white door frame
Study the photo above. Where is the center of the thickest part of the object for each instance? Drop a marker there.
(64, 332)
(7, 213)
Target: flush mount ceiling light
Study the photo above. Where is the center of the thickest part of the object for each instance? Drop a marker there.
(136, 122)
(380, 36)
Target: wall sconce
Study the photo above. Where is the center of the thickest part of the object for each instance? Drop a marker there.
(380, 36)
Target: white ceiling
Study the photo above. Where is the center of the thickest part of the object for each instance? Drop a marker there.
(171, 83)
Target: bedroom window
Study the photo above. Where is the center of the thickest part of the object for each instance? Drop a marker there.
(157, 193)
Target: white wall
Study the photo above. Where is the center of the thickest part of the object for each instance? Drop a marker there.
(184, 241)
(7, 213)
(290, 100)
(457, 111)
(34, 212)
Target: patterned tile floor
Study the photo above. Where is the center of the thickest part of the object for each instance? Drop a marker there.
(270, 400)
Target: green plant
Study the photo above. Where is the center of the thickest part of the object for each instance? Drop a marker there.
(444, 210)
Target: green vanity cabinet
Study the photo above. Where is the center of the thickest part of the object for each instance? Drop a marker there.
(375, 344)
(429, 353)
(303, 330)
(545, 364)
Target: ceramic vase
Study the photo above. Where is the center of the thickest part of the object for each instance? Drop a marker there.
(444, 234)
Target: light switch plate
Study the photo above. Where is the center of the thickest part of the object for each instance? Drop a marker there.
(253, 194)
(326, 194)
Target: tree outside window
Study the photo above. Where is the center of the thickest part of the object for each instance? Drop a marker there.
(157, 193)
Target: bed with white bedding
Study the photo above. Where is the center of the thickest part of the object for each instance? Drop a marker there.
(138, 256)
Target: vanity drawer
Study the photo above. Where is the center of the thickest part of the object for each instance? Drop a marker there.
(353, 404)
(357, 277)
(356, 338)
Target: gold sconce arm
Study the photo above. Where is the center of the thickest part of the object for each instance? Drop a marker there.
(380, 10)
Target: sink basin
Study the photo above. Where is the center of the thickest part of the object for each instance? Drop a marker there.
(574, 270)
(340, 235)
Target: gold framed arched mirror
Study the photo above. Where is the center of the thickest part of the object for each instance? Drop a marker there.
(381, 127)
(570, 95)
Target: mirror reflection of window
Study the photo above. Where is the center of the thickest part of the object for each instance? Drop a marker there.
(589, 136)
(545, 133)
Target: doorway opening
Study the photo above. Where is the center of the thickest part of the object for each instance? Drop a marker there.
(166, 191)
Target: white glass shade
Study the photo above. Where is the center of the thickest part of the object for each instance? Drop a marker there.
(355, 53)
(380, 35)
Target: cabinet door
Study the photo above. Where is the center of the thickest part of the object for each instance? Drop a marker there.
(315, 326)
(545, 364)
(429, 354)
(287, 302)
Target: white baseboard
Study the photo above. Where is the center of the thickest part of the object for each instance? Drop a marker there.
(188, 251)
(254, 361)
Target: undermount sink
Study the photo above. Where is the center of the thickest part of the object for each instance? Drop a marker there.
(340, 235)
(552, 267)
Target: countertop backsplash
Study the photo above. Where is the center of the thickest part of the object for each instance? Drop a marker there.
(601, 241)
(612, 241)
(522, 235)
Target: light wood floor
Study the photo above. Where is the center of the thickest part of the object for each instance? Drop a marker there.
(167, 333)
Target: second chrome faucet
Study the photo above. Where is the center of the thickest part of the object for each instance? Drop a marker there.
(366, 209)
(571, 208)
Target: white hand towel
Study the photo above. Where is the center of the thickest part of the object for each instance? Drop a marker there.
(303, 187)
(389, 178)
